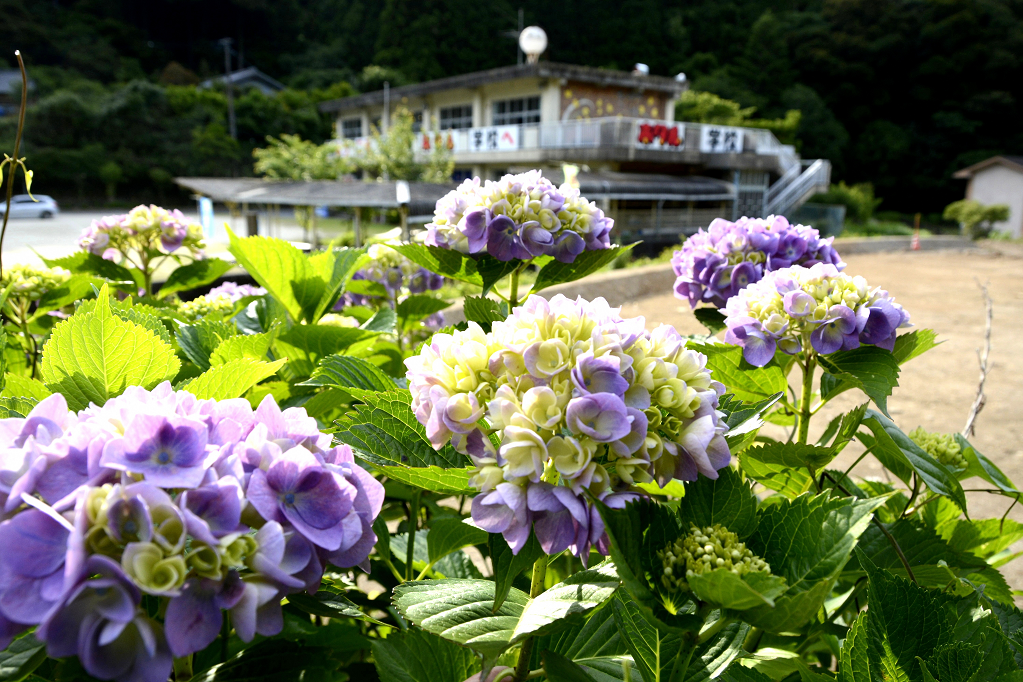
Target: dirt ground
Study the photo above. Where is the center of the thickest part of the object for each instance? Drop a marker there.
(936, 390)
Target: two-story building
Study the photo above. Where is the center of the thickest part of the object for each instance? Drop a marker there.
(657, 176)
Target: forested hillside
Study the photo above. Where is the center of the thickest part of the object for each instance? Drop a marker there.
(899, 93)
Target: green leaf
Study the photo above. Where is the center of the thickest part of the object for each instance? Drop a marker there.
(329, 603)
(304, 345)
(508, 566)
(194, 275)
(365, 287)
(723, 588)
(75, 289)
(953, 662)
(345, 371)
(199, 340)
(596, 645)
(794, 455)
(94, 356)
(558, 668)
(384, 321)
(274, 660)
(335, 267)
(89, 263)
(778, 477)
(847, 428)
(418, 306)
(251, 346)
(462, 611)
(231, 379)
(729, 500)
(18, 386)
(979, 465)
(747, 382)
(585, 264)
(742, 417)
(385, 432)
(913, 344)
(140, 314)
(433, 478)
(920, 544)
(492, 270)
(16, 407)
(935, 474)
(854, 660)
(984, 537)
(482, 310)
(711, 318)
(21, 657)
(873, 370)
(442, 261)
(417, 656)
(449, 534)
(283, 271)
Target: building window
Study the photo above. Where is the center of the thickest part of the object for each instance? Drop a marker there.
(517, 111)
(417, 121)
(351, 128)
(456, 118)
(460, 174)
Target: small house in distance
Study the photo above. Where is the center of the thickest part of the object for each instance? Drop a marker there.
(658, 177)
(998, 180)
(250, 77)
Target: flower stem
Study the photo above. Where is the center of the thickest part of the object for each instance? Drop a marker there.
(17, 145)
(513, 291)
(183, 668)
(413, 523)
(806, 398)
(535, 589)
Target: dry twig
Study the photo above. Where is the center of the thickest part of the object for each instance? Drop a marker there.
(981, 399)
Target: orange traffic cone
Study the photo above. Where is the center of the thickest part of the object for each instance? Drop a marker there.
(915, 244)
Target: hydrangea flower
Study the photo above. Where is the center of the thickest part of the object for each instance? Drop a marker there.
(143, 228)
(704, 550)
(206, 505)
(715, 264)
(797, 308)
(31, 282)
(941, 446)
(581, 402)
(519, 216)
(219, 300)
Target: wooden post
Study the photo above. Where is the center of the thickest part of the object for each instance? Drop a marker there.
(405, 235)
(915, 244)
(357, 226)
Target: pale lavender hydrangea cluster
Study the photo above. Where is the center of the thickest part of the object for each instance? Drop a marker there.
(817, 307)
(142, 228)
(581, 402)
(399, 276)
(235, 292)
(715, 264)
(519, 216)
(208, 505)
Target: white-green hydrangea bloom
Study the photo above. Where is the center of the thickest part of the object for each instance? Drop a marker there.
(704, 550)
(941, 446)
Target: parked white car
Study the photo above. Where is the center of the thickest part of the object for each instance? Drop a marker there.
(22, 206)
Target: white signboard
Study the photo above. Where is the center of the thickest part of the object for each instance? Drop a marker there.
(494, 139)
(660, 135)
(720, 139)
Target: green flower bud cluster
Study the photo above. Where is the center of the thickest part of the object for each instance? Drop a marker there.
(206, 305)
(30, 282)
(941, 446)
(704, 550)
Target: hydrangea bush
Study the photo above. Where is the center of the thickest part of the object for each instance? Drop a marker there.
(280, 482)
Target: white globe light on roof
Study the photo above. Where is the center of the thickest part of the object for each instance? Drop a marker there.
(533, 40)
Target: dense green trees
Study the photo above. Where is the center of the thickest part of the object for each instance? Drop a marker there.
(899, 93)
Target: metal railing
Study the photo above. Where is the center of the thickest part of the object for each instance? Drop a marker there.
(783, 197)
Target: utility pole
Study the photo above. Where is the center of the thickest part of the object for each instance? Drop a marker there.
(231, 127)
(522, 25)
(385, 120)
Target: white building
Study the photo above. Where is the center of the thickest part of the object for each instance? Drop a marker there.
(998, 180)
(657, 176)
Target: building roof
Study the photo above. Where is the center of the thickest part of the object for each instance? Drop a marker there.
(585, 74)
(250, 76)
(10, 78)
(1012, 162)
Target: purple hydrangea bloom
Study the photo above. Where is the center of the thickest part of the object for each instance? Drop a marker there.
(715, 264)
(235, 291)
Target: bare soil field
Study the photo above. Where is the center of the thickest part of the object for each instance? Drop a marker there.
(936, 390)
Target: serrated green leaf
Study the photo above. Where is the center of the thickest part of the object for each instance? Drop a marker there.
(94, 356)
(595, 645)
(18, 386)
(252, 346)
(854, 660)
(418, 306)
(345, 371)
(979, 465)
(873, 370)
(462, 610)
(507, 565)
(417, 656)
(920, 544)
(385, 432)
(442, 261)
(75, 289)
(742, 417)
(21, 657)
(585, 264)
(983, 537)
(747, 382)
(366, 287)
(329, 604)
(711, 318)
(740, 673)
(914, 344)
(304, 345)
(450, 534)
(16, 407)
(729, 500)
(493, 271)
(847, 428)
(558, 668)
(274, 660)
(936, 475)
(953, 662)
(384, 321)
(196, 274)
(793, 455)
(335, 267)
(199, 340)
(90, 263)
(140, 314)
(433, 478)
(723, 588)
(283, 271)
(231, 379)
(483, 311)
(785, 480)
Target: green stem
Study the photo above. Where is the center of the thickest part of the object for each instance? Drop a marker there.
(536, 588)
(17, 146)
(513, 290)
(413, 523)
(183, 668)
(806, 398)
(225, 637)
(685, 654)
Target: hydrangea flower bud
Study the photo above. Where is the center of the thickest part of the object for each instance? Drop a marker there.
(144, 228)
(818, 307)
(704, 550)
(715, 264)
(31, 282)
(583, 403)
(941, 446)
